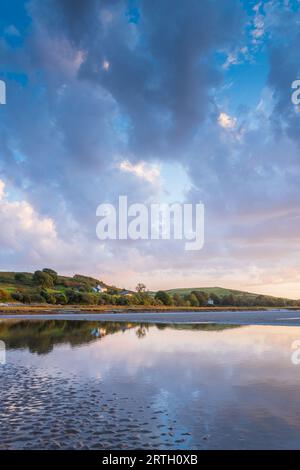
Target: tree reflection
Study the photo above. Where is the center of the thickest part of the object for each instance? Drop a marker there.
(142, 331)
(40, 337)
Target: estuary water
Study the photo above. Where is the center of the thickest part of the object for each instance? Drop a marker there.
(108, 385)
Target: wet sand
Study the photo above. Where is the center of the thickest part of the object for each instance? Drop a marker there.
(172, 388)
(68, 413)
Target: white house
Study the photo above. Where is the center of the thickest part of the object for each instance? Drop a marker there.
(99, 289)
(210, 302)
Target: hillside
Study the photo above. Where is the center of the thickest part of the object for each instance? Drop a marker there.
(209, 290)
(12, 281)
(49, 287)
(223, 292)
(220, 291)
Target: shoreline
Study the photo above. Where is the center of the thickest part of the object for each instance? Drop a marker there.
(275, 317)
(112, 309)
(41, 309)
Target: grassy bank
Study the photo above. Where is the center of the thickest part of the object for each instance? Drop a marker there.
(55, 309)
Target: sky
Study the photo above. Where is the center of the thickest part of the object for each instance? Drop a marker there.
(162, 101)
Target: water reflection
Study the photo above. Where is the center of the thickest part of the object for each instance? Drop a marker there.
(41, 336)
(109, 385)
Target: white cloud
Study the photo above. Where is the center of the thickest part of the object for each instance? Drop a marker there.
(29, 241)
(142, 170)
(232, 59)
(106, 65)
(22, 226)
(226, 121)
(258, 23)
(237, 56)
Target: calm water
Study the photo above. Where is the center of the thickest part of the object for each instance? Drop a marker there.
(79, 384)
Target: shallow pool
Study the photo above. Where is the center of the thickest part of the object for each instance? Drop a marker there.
(92, 385)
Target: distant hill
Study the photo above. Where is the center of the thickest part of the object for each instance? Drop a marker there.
(22, 286)
(220, 292)
(13, 280)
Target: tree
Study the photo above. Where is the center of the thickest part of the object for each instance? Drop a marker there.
(142, 297)
(42, 279)
(228, 300)
(164, 297)
(60, 298)
(49, 298)
(88, 299)
(18, 296)
(140, 287)
(202, 297)
(51, 273)
(177, 300)
(123, 300)
(20, 277)
(26, 299)
(113, 290)
(4, 296)
(72, 296)
(37, 298)
(193, 300)
(216, 299)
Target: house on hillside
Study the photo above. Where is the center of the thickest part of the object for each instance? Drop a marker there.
(210, 302)
(99, 290)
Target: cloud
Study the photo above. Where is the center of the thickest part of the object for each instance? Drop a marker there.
(226, 121)
(106, 65)
(79, 114)
(258, 30)
(23, 228)
(29, 241)
(90, 81)
(142, 170)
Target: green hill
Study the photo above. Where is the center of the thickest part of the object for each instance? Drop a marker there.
(11, 281)
(25, 287)
(222, 292)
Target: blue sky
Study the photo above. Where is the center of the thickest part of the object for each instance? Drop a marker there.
(163, 100)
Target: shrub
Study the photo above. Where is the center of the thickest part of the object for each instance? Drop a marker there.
(37, 298)
(4, 296)
(17, 296)
(164, 297)
(61, 298)
(21, 277)
(26, 299)
(122, 300)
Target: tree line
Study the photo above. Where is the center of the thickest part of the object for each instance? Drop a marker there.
(45, 286)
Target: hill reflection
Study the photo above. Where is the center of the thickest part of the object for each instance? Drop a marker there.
(40, 337)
